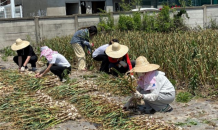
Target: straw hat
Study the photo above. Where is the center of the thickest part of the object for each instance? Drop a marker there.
(116, 50)
(19, 44)
(142, 65)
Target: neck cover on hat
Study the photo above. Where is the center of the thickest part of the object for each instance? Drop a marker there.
(147, 81)
(47, 52)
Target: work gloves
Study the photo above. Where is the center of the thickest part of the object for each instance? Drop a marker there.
(122, 63)
(132, 77)
(127, 105)
(138, 95)
(89, 50)
(148, 97)
(91, 44)
(22, 69)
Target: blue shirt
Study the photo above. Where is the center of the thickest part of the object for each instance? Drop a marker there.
(81, 37)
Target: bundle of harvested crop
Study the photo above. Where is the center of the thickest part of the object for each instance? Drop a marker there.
(40, 64)
(51, 81)
(142, 121)
(67, 110)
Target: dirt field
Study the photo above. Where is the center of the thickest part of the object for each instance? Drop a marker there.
(198, 114)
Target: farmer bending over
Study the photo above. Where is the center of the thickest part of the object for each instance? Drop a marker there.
(153, 87)
(57, 63)
(25, 55)
(119, 59)
(100, 55)
(81, 39)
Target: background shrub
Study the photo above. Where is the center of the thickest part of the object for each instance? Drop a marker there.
(164, 22)
(137, 20)
(126, 23)
(106, 22)
(149, 23)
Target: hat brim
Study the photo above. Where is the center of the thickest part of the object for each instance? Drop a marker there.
(117, 54)
(147, 68)
(21, 46)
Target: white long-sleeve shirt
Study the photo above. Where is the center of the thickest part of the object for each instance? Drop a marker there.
(100, 50)
(162, 85)
(59, 60)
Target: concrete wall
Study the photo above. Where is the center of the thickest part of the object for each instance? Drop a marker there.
(56, 8)
(50, 28)
(12, 29)
(196, 17)
(18, 2)
(45, 7)
(38, 28)
(211, 14)
(87, 20)
(34, 8)
(201, 15)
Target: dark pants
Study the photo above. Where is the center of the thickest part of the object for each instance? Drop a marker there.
(59, 71)
(33, 60)
(121, 69)
(105, 62)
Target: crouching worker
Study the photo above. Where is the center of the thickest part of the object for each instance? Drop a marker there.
(119, 59)
(25, 55)
(153, 87)
(100, 55)
(57, 63)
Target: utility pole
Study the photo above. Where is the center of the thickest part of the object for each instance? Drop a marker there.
(12, 9)
(211, 2)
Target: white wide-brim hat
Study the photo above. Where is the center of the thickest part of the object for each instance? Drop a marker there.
(116, 50)
(142, 65)
(19, 44)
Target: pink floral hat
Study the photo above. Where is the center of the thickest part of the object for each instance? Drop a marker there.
(47, 52)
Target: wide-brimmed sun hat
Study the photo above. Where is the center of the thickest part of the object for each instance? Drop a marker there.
(142, 65)
(116, 50)
(19, 44)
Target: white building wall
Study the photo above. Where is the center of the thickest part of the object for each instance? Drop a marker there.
(212, 14)
(196, 17)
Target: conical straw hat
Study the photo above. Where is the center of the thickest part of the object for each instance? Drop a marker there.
(116, 50)
(19, 44)
(142, 65)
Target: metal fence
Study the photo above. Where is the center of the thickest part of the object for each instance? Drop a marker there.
(5, 11)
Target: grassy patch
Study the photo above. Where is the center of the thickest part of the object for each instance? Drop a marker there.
(211, 123)
(7, 51)
(180, 124)
(184, 97)
(187, 122)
